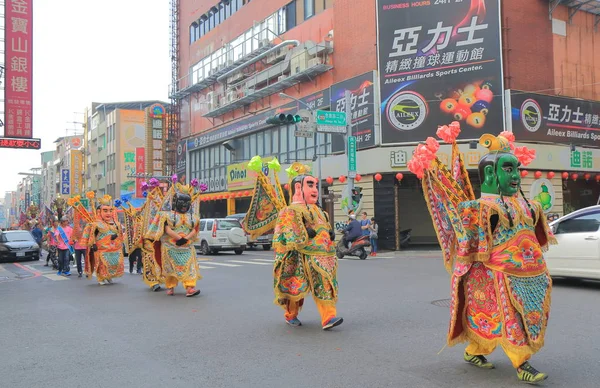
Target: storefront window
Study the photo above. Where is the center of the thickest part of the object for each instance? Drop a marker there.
(267, 139)
(275, 142)
(260, 146)
(252, 144)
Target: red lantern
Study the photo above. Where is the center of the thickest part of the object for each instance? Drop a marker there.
(358, 177)
(597, 178)
(565, 175)
(550, 175)
(538, 174)
(378, 177)
(524, 173)
(587, 176)
(246, 193)
(342, 179)
(329, 180)
(286, 186)
(575, 176)
(399, 176)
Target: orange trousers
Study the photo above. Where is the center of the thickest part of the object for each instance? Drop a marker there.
(326, 310)
(476, 349)
(171, 282)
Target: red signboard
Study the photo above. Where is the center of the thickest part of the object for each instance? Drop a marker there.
(25, 144)
(18, 40)
(140, 168)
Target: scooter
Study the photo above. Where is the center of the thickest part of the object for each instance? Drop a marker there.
(405, 238)
(357, 248)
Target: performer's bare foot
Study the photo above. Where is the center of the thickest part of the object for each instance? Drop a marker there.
(293, 322)
(529, 374)
(478, 361)
(170, 291)
(191, 291)
(333, 322)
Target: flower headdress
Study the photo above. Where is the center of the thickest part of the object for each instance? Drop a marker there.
(105, 200)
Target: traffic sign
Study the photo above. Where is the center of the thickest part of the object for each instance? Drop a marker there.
(331, 122)
(306, 126)
(352, 154)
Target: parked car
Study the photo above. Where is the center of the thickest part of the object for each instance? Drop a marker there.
(266, 240)
(18, 245)
(577, 254)
(221, 234)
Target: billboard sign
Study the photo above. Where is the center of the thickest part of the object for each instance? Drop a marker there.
(65, 181)
(553, 119)
(362, 110)
(140, 168)
(18, 59)
(439, 62)
(24, 144)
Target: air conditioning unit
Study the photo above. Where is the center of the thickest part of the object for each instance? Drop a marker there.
(231, 96)
(281, 77)
(235, 77)
(263, 43)
(314, 62)
(211, 100)
(298, 62)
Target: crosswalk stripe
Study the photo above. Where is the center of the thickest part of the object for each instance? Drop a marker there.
(248, 262)
(53, 276)
(224, 264)
(205, 267)
(265, 260)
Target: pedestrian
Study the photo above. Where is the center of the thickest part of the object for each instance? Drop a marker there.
(374, 229)
(63, 237)
(135, 258)
(52, 242)
(38, 235)
(80, 253)
(365, 224)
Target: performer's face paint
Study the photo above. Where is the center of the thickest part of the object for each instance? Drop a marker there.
(503, 177)
(106, 213)
(183, 203)
(310, 187)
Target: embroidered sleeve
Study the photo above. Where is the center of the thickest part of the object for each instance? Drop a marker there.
(290, 233)
(542, 229)
(475, 237)
(88, 237)
(157, 227)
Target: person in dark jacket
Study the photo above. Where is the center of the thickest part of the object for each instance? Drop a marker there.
(353, 229)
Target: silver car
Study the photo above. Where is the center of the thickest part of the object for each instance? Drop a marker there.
(266, 240)
(18, 245)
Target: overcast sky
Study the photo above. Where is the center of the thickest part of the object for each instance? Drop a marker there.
(84, 51)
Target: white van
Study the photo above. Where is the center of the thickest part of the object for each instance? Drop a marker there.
(221, 234)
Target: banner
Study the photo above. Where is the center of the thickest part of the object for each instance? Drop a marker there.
(552, 119)
(140, 168)
(362, 109)
(76, 168)
(439, 61)
(240, 177)
(18, 40)
(65, 181)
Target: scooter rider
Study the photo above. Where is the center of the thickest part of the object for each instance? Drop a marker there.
(353, 229)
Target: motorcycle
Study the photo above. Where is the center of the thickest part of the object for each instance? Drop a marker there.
(357, 248)
(405, 238)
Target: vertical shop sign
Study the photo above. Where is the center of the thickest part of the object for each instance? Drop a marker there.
(140, 168)
(439, 61)
(76, 167)
(18, 42)
(65, 181)
(362, 99)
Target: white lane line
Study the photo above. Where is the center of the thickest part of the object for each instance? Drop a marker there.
(265, 260)
(224, 264)
(248, 262)
(55, 277)
(205, 267)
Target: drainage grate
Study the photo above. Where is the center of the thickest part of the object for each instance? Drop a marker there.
(441, 303)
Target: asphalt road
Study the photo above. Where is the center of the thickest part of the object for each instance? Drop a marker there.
(57, 332)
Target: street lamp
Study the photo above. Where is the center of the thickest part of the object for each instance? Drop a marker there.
(317, 143)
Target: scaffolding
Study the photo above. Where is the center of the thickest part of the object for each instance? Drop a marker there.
(174, 110)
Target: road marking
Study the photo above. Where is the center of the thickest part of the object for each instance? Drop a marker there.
(55, 277)
(203, 259)
(205, 267)
(248, 262)
(224, 264)
(265, 260)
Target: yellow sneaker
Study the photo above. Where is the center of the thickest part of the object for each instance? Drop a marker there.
(528, 374)
(478, 361)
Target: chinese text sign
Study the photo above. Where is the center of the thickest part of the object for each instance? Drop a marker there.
(140, 168)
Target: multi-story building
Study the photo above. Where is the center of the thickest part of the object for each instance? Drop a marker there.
(48, 179)
(409, 66)
(116, 137)
(10, 201)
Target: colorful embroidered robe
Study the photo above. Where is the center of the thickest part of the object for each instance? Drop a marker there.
(176, 261)
(108, 261)
(500, 285)
(302, 264)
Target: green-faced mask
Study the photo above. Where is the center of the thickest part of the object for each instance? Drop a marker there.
(500, 174)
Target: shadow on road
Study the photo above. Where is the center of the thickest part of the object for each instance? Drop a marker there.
(573, 283)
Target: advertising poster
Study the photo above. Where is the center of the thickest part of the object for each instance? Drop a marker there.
(140, 168)
(18, 60)
(362, 99)
(439, 61)
(132, 134)
(553, 119)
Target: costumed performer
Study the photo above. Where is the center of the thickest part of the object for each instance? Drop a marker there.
(305, 260)
(104, 239)
(492, 247)
(176, 229)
